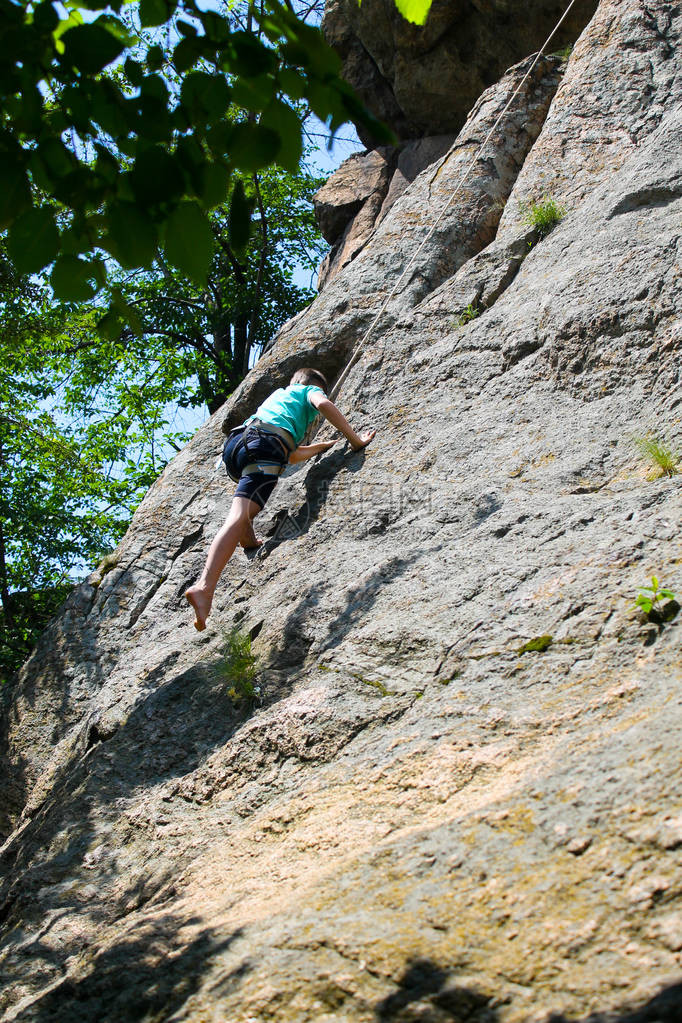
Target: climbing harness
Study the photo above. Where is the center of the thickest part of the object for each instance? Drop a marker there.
(363, 341)
(254, 430)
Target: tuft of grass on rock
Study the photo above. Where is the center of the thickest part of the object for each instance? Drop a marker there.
(538, 643)
(564, 53)
(469, 313)
(542, 215)
(664, 461)
(237, 668)
(105, 565)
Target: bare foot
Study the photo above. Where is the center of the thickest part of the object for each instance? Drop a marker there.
(201, 601)
(249, 541)
(252, 546)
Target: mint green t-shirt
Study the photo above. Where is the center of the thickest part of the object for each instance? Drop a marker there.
(289, 408)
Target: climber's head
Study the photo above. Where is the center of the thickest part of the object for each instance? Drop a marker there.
(310, 376)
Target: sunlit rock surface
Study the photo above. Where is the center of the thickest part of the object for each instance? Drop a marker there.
(424, 819)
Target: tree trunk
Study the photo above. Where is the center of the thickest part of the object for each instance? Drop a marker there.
(5, 595)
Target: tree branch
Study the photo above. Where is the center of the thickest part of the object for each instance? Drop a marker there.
(236, 265)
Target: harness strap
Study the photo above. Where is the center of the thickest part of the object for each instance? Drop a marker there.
(268, 468)
(278, 431)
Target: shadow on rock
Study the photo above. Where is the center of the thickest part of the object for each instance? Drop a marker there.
(288, 525)
(297, 635)
(70, 639)
(424, 994)
(427, 994)
(168, 734)
(149, 977)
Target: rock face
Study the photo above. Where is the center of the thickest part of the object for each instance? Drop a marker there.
(460, 797)
(357, 197)
(424, 81)
(348, 205)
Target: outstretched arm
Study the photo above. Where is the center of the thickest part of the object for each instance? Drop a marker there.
(305, 451)
(330, 412)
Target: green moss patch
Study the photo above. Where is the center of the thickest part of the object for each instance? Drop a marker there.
(538, 643)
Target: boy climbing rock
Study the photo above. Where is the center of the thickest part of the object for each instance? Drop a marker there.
(255, 455)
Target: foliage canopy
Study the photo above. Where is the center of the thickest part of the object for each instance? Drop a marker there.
(118, 134)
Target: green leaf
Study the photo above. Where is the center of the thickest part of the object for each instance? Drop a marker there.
(134, 72)
(70, 279)
(154, 87)
(253, 146)
(153, 120)
(74, 18)
(58, 160)
(156, 58)
(240, 218)
(415, 11)
(189, 241)
(110, 326)
(667, 594)
(214, 182)
(316, 55)
(190, 154)
(249, 57)
(654, 580)
(132, 237)
(216, 26)
(96, 5)
(187, 29)
(118, 29)
(204, 96)
(292, 82)
(323, 100)
(33, 240)
(126, 311)
(285, 122)
(91, 47)
(15, 194)
(186, 54)
(45, 17)
(253, 93)
(106, 106)
(156, 177)
(155, 12)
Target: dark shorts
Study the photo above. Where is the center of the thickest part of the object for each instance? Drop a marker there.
(262, 447)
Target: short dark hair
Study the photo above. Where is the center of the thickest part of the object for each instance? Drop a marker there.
(310, 376)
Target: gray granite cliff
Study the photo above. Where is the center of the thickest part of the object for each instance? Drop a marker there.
(460, 797)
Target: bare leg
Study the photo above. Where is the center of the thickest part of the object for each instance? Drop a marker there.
(248, 539)
(200, 596)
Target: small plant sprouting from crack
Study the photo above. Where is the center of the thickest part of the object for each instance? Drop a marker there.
(665, 461)
(650, 597)
(469, 313)
(237, 668)
(542, 215)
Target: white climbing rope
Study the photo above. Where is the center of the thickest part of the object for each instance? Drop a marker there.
(363, 341)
